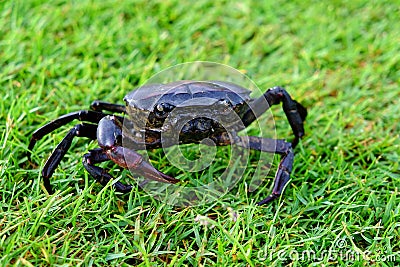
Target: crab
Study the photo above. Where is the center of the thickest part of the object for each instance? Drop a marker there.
(162, 115)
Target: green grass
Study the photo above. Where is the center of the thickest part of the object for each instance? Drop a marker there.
(340, 58)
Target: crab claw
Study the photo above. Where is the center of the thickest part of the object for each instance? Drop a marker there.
(148, 171)
(132, 160)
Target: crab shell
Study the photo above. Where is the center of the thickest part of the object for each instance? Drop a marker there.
(188, 107)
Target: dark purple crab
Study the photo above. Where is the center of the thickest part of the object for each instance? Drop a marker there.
(150, 108)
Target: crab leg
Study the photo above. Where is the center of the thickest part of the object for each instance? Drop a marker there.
(83, 115)
(294, 111)
(104, 106)
(79, 130)
(282, 177)
(279, 146)
(103, 177)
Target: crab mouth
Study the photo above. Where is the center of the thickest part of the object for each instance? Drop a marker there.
(184, 129)
(197, 126)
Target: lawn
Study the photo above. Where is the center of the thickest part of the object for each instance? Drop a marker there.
(341, 59)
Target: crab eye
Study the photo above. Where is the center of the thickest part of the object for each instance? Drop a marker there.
(162, 108)
(225, 102)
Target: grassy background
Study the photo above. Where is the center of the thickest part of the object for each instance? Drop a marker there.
(340, 58)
